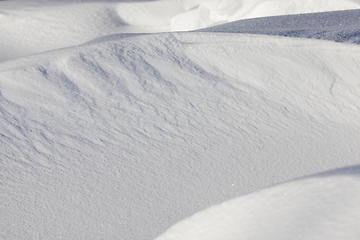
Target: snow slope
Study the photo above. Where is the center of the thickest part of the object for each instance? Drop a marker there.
(123, 137)
(127, 134)
(38, 27)
(28, 27)
(339, 26)
(213, 12)
(323, 206)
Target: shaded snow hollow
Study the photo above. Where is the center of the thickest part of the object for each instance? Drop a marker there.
(338, 26)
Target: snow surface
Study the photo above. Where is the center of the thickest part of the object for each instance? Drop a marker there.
(212, 12)
(127, 134)
(123, 138)
(323, 206)
(28, 27)
(339, 26)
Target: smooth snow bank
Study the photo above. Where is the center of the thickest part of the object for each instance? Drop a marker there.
(122, 138)
(323, 206)
(38, 28)
(28, 27)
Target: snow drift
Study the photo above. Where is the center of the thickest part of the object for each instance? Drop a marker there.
(213, 12)
(338, 26)
(127, 134)
(42, 27)
(28, 27)
(323, 206)
(123, 137)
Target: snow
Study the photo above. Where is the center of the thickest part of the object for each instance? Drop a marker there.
(33, 29)
(122, 138)
(128, 133)
(28, 27)
(339, 26)
(323, 206)
(213, 12)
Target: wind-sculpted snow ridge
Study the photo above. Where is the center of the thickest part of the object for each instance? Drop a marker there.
(338, 26)
(120, 139)
(323, 206)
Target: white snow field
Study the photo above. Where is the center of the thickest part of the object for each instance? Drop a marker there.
(32, 26)
(120, 139)
(125, 135)
(324, 206)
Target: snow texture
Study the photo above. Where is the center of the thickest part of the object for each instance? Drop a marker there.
(125, 135)
(323, 206)
(123, 138)
(339, 26)
(28, 27)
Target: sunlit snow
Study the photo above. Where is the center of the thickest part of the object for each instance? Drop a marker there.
(128, 133)
(323, 206)
(28, 27)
